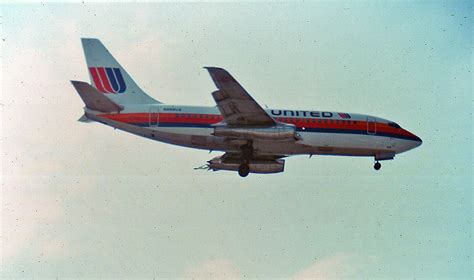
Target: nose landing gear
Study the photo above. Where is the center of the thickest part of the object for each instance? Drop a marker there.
(377, 165)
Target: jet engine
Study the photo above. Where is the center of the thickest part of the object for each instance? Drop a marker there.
(255, 165)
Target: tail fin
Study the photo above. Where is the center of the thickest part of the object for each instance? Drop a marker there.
(109, 77)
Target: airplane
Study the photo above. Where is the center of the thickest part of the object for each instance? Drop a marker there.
(253, 139)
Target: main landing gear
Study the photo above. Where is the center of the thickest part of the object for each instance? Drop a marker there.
(244, 170)
(377, 165)
(247, 153)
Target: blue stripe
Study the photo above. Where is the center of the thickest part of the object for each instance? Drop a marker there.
(314, 130)
(113, 81)
(118, 75)
(355, 131)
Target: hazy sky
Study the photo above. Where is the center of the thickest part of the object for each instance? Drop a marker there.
(84, 200)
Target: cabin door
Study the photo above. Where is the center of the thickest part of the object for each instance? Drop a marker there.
(154, 117)
(371, 125)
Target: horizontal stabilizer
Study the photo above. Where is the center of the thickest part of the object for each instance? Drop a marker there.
(84, 119)
(95, 100)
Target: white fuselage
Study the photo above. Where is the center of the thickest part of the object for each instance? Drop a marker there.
(324, 133)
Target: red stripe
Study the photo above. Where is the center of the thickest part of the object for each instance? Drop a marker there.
(97, 82)
(299, 122)
(105, 80)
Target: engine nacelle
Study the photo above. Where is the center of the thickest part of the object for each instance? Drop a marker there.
(280, 131)
(256, 166)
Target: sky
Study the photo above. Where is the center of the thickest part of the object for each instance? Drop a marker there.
(84, 200)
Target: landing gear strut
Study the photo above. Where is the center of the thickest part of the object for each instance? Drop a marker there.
(244, 170)
(377, 165)
(247, 150)
(247, 153)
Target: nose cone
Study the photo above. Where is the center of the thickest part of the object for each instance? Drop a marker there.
(416, 140)
(409, 142)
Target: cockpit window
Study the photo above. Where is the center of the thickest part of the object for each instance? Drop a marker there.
(395, 125)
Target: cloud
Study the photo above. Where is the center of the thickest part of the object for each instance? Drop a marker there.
(335, 266)
(24, 211)
(214, 269)
(30, 213)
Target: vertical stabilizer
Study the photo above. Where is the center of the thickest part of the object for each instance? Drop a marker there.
(110, 78)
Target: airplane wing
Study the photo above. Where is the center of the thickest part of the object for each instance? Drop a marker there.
(237, 106)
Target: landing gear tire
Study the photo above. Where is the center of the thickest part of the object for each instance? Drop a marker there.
(377, 165)
(244, 170)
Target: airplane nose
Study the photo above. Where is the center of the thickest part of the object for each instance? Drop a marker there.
(415, 140)
(418, 139)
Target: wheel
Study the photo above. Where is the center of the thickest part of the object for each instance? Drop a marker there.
(377, 165)
(244, 170)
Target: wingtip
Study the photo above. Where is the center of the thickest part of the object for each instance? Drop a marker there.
(90, 42)
(89, 39)
(213, 68)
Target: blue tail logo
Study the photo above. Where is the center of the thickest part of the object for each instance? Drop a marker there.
(108, 79)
